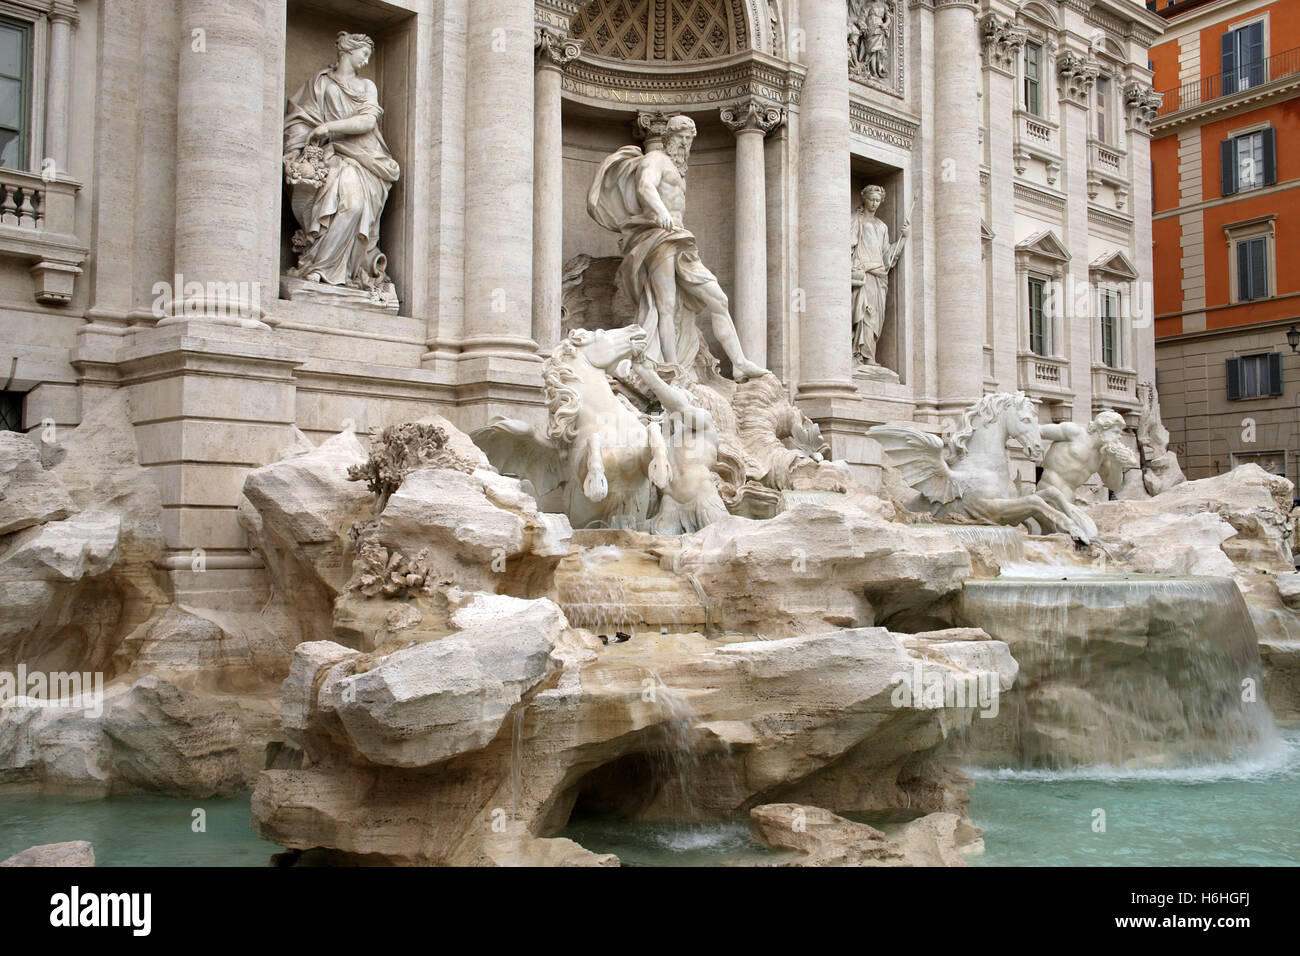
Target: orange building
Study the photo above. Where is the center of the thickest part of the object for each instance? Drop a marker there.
(1225, 157)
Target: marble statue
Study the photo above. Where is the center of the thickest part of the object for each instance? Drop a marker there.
(600, 455)
(1078, 452)
(975, 480)
(869, 26)
(339, 170)
(690, 499)
(642, 196)
(1160, 468)
(874, 256)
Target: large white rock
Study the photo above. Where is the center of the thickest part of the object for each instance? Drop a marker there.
(29, 495)
(73, 853)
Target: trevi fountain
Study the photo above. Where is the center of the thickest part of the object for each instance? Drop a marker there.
(676, 604)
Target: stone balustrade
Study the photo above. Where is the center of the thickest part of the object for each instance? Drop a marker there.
(37, 225)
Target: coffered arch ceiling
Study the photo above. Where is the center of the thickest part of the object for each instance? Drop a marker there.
(665, 31)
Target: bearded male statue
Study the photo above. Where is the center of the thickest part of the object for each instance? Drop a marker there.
(1079, 452)
(642, 196)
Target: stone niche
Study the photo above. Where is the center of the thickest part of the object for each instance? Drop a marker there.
(311, 33)
(892, 212)
(589, 135)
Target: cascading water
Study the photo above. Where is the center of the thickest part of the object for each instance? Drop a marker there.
(1119, 670)
(594, 600)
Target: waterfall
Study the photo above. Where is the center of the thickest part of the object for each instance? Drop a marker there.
(596, 600)
(1120, 670)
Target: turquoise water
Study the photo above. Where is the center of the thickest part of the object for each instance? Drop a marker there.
(136, 831)
(1239, 814)
(1245, 813)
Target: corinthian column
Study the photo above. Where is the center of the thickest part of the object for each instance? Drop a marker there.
(751, 121)
(220, 112)
(499, 183)
(825, 325)
(959, 311)
(554, 51)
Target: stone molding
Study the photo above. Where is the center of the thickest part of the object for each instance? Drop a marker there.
(1002, 41)
(554, 47)
(631, 86)
(873, 123)
(752, 114)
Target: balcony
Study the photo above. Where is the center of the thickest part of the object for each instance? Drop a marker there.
(1280, 66)
(1043, 376)
(37, 226)
(1038, 138)
(1114, 386)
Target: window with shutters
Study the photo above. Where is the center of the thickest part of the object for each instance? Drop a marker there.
(1244, 61)
(15, 93)
(1252, 264)
(1249, 160)
(1039, 328)
(1101, 94)
(1108, 307)
(1034, 78)
(1252, 269)
(1254, 376)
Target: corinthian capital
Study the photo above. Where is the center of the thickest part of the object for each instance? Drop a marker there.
(1077, 74)
(1002, 41)
(554, 47)
(1141, 103)
(752, 114)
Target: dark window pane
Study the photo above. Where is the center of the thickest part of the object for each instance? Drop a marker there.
(11, 103)
(11, 51)
(10, 147)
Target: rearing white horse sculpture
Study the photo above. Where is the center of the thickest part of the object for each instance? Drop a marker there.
(599, 455)
(976, 480)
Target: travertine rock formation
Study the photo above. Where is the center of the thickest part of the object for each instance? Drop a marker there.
(74, 853)
(415, 764)
(823, 838)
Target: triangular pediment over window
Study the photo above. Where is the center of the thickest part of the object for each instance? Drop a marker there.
(1115, 264)
(1044, 244)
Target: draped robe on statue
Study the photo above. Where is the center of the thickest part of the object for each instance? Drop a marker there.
(613, 202)
(872, 253)
(340, 219)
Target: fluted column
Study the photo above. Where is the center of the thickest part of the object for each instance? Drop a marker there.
(554, 51)
(959, 311)
(751, 121)
(220, 113)
(825, 325)
(56, 102)
(499, 181)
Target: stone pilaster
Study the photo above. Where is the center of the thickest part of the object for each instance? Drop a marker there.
(220, 167)
(959, 309)
(555, 50)
(825, 187)
(1141, 103)
(751, 120)
(499, 365)
(1076, 74)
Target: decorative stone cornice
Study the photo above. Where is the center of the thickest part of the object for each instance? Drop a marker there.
(873, 123)
(1140, 105)
(613, 84)
(1002, 42)
(554, 47)
(752, 115)
(1077, 73)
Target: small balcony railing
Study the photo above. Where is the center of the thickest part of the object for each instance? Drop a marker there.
(1246, 77)
(1114, 384)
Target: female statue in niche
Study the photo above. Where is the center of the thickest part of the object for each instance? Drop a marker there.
(873, 257)
(339, 170)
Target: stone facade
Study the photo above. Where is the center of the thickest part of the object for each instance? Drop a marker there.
(145, 228)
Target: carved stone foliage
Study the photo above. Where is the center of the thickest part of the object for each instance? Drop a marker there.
(1002, 41)
(399, 450)
(1077, 74)
(875, 44)
(1140, 104)
(752, 114)
(554, 46)
(654, 30)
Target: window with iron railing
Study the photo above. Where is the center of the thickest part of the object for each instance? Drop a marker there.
(1236, 78)
(1242, 54)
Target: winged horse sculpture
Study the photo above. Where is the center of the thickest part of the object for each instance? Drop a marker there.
(975, 480)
